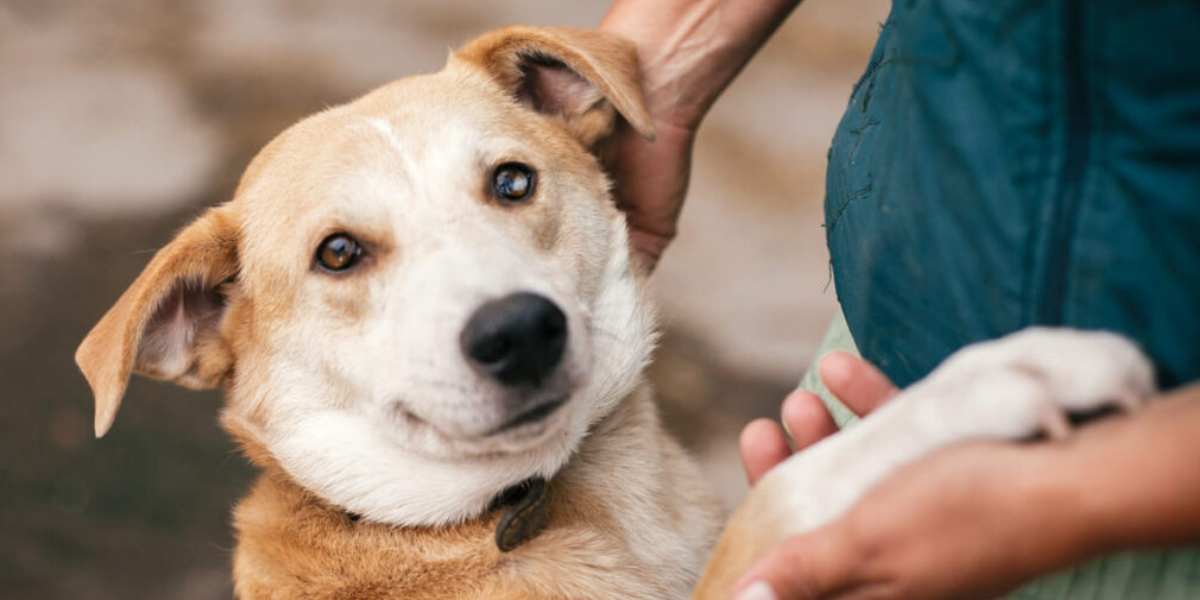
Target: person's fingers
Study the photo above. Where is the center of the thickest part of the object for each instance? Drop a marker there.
(807, 419)
(763, 445)
(813, 566)
(856, 382)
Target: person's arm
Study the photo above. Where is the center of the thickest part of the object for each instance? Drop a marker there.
(690, 51)
(1138, 478)
(976, 520)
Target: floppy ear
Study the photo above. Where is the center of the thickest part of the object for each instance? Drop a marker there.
(577, 75)
(166, 325)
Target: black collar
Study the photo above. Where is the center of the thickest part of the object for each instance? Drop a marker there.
(525, 516)
(526, 513)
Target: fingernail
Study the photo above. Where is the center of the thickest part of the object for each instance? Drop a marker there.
(759, 590)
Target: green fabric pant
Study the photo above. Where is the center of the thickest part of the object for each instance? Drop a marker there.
(1140, 576)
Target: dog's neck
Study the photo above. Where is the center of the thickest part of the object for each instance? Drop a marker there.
(616, 502)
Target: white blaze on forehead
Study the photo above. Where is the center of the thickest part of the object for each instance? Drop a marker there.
(450, 140)
(384, 127)
(397, 154)
(433, 173)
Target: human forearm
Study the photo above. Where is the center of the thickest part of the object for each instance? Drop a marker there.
(1136, 479)
(692, 49)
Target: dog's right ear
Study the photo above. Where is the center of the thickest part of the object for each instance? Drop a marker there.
(578, 76)
(166, 325)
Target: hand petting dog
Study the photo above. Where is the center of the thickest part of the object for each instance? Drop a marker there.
(1001, 514)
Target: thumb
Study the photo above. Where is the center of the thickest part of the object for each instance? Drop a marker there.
(812, 566)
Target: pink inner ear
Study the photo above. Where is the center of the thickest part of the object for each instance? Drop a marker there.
(550, 87)
(165, 347)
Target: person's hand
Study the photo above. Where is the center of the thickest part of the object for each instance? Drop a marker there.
(688, 52)
(650, 180)
(650, 177)
(854, 381)
(958, 524)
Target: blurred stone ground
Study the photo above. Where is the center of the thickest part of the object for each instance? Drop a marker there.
(121, 119)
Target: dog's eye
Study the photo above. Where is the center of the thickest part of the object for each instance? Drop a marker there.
(338, 252)
(513, 182)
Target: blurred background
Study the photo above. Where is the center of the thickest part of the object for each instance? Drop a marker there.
(121, 119)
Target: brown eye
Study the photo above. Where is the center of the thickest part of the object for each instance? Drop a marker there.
(338, 252)
(514, 182)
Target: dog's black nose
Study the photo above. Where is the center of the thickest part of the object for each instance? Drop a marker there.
(518, 339)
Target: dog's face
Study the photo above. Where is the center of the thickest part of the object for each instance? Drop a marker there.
(416, 299)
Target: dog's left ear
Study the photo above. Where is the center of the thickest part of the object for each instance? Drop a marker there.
(166, 324)
(577, 75)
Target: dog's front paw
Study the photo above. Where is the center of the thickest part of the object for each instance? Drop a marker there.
(1027, 383)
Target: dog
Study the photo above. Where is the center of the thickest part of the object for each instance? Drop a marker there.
(423, 308)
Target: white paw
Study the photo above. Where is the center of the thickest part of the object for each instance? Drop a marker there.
(1023, 384)
(1011, 388)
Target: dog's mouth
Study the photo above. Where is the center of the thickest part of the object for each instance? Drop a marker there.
(532, 415)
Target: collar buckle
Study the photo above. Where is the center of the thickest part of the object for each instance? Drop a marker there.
(526, 516)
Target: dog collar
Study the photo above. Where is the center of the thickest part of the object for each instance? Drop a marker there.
(525, 516)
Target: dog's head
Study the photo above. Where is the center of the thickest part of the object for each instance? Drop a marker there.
(416, 299)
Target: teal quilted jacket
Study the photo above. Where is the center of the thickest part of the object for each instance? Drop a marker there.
(1007, 163)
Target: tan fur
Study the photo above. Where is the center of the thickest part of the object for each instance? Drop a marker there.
(629, 513)
(754, 528)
